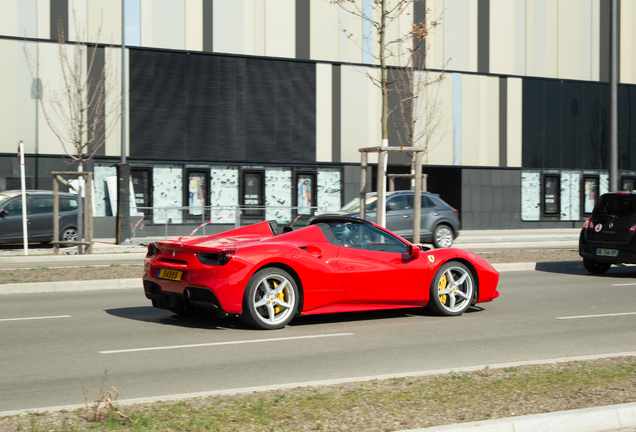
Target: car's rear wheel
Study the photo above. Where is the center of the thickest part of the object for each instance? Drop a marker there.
(270, 300)
(442, 236)
(452, 289)
(69, 234)
(596, 267)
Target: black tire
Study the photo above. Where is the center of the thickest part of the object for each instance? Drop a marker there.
(266, 304)
(443, 236)
(69, 234)
(596, 267)
(452, 289)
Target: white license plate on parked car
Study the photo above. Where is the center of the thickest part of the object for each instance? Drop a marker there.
(606, 252)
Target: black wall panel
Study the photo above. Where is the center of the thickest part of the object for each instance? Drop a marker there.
(197, 107)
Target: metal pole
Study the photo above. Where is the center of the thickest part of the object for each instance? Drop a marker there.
(613, 102)
(363, 184)
(123, 83)
(25, 234)
(417, 197)
(381, 202)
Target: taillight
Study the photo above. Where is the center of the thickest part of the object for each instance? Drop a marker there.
(455, 212)
(226, 256)
(633, 228)
(587, 224)
(152, 250)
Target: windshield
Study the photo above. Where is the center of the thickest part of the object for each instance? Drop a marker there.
(354, 204)
(617, 205)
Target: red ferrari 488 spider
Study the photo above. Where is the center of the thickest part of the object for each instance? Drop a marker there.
(336, 264)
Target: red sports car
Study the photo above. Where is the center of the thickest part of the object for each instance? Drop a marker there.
(336, 264)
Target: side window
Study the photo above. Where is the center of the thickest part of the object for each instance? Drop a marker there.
(14, 207)
(427, 203)
(42, 204)
(68, 204)
(397, 203)
(368, 237)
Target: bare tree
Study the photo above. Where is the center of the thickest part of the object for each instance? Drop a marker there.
(75, 109)
(405, 49)
(75, 106)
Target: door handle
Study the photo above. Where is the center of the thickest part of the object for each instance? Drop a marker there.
(405, 216)
(312, 250)
(350, 268)
(435, 214)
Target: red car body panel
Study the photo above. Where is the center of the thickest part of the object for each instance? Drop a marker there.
(330, 278)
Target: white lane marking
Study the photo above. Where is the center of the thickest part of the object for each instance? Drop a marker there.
(224, 343)
(597, 316)
(625, 284)
(35, 318)
(234, 391)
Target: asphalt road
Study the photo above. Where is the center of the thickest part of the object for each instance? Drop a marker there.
(53, 342)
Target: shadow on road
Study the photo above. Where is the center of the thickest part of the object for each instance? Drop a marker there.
(617, 271)
(150, 314)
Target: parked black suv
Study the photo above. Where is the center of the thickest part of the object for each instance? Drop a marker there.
(609, 235)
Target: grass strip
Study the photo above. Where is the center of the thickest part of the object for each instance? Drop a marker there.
(381, 405)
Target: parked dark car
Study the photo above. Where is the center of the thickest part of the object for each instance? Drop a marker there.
(439, 221)
(39, 216)
(609, 235)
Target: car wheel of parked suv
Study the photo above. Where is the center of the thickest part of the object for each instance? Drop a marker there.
(442, 236)
(69, 234)
(596, 267)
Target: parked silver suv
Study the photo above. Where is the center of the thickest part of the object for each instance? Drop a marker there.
(439, 222)
(39, 216)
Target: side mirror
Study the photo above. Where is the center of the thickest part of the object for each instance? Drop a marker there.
(389, 207)
(3, 213)
(414, 250)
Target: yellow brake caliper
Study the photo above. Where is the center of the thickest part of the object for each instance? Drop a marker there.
(442, 287)
(280, 296)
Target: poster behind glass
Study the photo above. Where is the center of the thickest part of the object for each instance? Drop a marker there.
(196, 193)
(629, 183)
(591, 193)
(304, 188)
(141, 187)
(551, 200)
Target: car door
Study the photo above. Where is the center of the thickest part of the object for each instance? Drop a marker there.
(399, 215)
(11, 221)
(41, 218)
(376, 268)
(427, 217)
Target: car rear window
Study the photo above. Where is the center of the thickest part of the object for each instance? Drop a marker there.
(618, 205)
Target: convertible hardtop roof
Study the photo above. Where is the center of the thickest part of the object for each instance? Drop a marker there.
(336, 218)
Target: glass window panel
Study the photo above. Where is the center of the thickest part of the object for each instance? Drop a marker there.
(590, 193)
(553, 109)
(572, 124)
(551, 191)
(42, 205)
(532, 147)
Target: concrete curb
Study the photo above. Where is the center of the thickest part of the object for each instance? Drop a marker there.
(582, 420)
(117, 284)
(51, 259)
(74, 286)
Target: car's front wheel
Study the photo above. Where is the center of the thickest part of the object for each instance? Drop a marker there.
(452, 289)
(270, 300)
(442, 236)
(596, 267)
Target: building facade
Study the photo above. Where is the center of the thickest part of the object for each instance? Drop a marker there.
(256, 102)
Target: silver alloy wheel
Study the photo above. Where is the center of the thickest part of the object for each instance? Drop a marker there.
(69, 234)
(455, 289)
(443, 237)
(274, 299)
